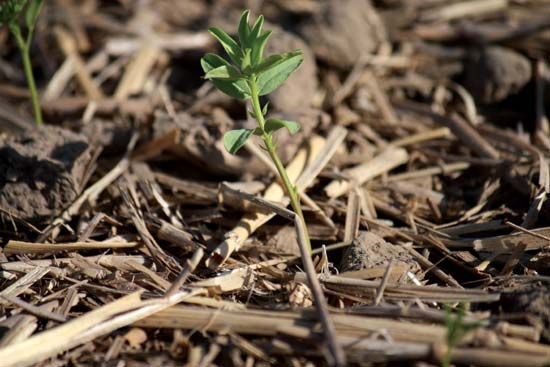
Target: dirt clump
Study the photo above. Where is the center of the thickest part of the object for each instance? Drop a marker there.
(343, 30)
(41, 171)
(495, 73)
(533, 300)
(370, 251)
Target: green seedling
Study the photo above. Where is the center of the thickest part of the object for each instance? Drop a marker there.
(10, 10)
(247, 75)
(457, 328)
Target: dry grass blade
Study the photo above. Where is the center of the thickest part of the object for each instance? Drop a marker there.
(19, 247)
(384, 162)
(24, 282)
(100, 321)
(534, 239)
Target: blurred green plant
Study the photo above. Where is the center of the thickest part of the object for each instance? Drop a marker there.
(247, 76)
(10, 11)
(457, 328)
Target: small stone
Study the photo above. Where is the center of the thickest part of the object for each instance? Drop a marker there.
(495, 73)
(370, 251)
(135, 337)
(344, 30)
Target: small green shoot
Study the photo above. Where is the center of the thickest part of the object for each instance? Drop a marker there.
(10, 11)
(247, 75)
(457, 328)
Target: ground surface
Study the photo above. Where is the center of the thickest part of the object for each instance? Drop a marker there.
(126, 237)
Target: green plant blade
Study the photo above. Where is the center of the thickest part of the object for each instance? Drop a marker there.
(233, 88)
(244, 29)
(256, 30)
(31, 15)
(229, 44)
(259, 46)
(269, 62)
(272, 125)
(233, 140)
(276, 73)
(223, 72)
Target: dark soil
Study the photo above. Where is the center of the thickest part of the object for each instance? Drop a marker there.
(42, 172)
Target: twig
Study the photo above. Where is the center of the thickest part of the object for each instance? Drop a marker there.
(189, 268)
(32, 309)
(318, 295)
(524, 230)
(383, 283)
(20, 247)
(387, 160)
(100, 321)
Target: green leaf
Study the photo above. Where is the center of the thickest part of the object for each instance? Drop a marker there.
(259, 46)
(225, 72)
(10, 9)
(269, 62)
(264, 108)
(272, 125)
(256, 30)
(244, 28)
(274, 73)
(229, 44)
(31, 15)
(233, 88)
(233, 140)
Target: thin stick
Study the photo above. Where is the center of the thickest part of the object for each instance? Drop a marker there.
(383, 283)
(32, 309)
(91, 325)
(318, 295)
(20, 247)
(525, 230)
(189, 268)
(385, 161)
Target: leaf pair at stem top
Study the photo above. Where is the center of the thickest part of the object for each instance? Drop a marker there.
(248, 75)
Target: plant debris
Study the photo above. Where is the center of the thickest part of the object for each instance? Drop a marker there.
(129, 236)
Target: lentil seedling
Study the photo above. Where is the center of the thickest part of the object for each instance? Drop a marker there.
(247, 77)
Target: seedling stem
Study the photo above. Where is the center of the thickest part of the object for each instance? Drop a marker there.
(248, 75)
(10, 11)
